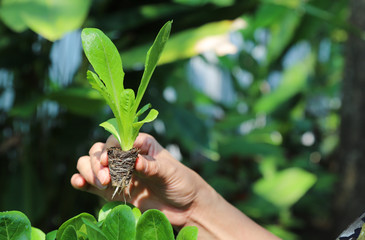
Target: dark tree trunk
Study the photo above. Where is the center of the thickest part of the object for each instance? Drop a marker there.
(350, 196)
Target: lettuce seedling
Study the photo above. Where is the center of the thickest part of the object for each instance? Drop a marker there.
(108, 81)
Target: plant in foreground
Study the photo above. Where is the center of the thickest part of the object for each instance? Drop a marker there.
(106, 61)
(116, 221)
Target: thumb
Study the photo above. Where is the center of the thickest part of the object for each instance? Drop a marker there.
(147, 166)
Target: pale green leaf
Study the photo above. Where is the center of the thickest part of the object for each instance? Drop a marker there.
(11, 14)
(51, 19)
(285, 187)
(293, 81)
(112, 126)
(182, 45)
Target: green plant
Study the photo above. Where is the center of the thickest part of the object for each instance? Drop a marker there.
(125, 126)
(116, 221)
(105, 58)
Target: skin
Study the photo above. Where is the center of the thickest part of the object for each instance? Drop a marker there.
(162, 182)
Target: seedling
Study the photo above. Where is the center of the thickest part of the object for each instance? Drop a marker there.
(108, 81)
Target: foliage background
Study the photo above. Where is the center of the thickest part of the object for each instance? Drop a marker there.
(248, 92)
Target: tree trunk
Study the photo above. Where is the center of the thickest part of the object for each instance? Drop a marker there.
(350, 196)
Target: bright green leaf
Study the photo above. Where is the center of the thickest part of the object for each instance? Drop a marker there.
(14, 225)
(188, 233)
(112, 126)
(154, 225)
(286, 187)
(38, 234)
(120, 223)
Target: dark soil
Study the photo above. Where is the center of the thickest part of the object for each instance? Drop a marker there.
(121, 167)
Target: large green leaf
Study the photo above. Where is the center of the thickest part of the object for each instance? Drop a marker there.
(153, 55)
(76, 222)
(188, 233)
(51, 19)
(154, 225)
(120, 223)
(14, 225)
(93, 231)
(38, 234)
(285, 187)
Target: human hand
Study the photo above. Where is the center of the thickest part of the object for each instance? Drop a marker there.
(159, 182)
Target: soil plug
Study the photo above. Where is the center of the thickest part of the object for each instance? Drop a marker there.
(108, 81)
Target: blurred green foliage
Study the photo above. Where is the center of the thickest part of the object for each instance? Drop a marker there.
(248, 94)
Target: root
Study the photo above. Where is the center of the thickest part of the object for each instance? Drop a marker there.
(121, 166)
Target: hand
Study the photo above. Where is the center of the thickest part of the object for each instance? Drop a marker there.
(159, 182)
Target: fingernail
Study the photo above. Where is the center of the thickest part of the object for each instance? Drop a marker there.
(102, 176)
(99, 185)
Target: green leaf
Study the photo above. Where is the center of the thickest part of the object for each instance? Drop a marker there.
(182, 45)
(14, 225)
(152, 115)
(69, 233)
(76, 222)
(153, 55)
(51, 235)
(51, 19)
(10, 13)
(106, 209)
(37, 234)
(286, 187)
(143, 109)
(188, 233)
(154, 225)
(93, 232)
(293, 81)
(105, 59)
(112, 126)
(120, 224)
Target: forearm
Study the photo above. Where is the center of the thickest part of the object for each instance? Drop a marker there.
(217, 219)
